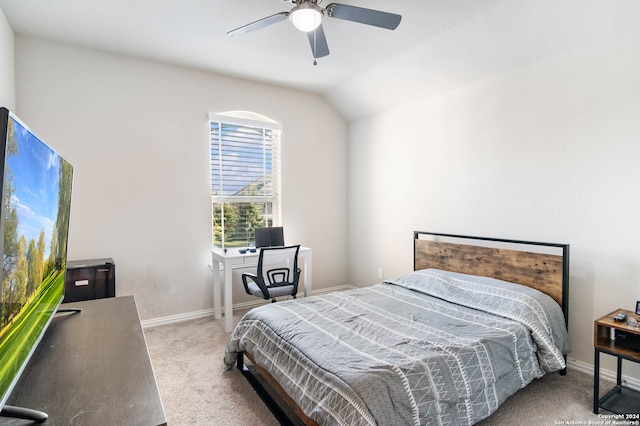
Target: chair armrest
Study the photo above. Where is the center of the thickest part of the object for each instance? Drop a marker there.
(247, 276)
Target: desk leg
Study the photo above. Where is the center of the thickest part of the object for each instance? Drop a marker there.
(596, 381)
(228, 300)
(308, 285)
(217, 290)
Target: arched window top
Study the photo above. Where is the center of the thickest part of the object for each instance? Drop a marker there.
(246, 118)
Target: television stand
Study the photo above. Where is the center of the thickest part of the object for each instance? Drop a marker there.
(92, 369)
(23, 413)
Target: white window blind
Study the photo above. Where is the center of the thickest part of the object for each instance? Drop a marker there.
(245, 178)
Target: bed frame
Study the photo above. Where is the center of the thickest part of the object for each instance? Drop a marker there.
(543, 266)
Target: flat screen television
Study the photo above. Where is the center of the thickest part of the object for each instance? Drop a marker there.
(34, 223)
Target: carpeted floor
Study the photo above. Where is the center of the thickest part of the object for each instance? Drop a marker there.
(196, 389)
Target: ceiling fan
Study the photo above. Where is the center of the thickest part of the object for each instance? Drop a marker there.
(307, 16)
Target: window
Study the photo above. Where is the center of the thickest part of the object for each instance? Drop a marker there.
(245, 177)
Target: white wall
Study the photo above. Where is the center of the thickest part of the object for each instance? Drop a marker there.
(7, 76)
(546, 152)
(137, 135)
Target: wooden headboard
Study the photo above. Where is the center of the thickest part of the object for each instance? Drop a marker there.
(548, 273)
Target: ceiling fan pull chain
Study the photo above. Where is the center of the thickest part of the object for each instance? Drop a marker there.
(315, 46)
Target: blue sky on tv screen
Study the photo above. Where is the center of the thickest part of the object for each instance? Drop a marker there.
(35, 177)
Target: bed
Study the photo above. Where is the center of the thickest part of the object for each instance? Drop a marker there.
(475, 321)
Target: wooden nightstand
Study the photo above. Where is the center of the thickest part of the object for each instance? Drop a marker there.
(621, 340)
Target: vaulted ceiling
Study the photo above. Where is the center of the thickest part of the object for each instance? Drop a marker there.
(439, 45)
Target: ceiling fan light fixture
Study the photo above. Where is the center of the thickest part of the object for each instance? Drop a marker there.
(306, 16)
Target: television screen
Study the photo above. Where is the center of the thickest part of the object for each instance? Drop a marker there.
(34, 223)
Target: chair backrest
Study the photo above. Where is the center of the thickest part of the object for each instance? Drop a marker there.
(278, 265)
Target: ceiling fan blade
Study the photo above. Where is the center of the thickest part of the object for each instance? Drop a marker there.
(259, 24)
(318, 42)
(361, 15)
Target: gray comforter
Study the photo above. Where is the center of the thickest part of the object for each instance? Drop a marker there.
(432, 347)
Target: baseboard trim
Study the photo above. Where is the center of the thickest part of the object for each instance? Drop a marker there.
(331, 289)
(609, 375)
(172, 319)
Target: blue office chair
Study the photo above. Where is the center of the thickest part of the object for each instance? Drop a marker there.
(278, 273)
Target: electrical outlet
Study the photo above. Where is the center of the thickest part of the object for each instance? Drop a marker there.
(380, 273)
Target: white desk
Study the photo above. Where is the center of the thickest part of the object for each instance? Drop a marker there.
(233, 259)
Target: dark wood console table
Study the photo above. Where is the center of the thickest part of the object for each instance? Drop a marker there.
(92, 368)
